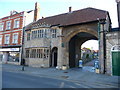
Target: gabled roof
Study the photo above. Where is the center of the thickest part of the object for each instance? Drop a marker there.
(75, 17)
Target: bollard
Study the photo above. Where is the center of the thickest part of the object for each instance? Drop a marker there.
(23, 68)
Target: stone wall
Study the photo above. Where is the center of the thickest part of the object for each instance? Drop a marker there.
(112, 39)
(40, 43)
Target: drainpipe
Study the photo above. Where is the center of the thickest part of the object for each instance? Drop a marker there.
(98, 32)
(98, 38)
(23, 44)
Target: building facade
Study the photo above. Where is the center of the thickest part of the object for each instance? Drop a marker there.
(11, 30)
(56, 41)
(113, 46)
(39, 43)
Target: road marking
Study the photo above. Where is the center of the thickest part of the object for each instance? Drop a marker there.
(62, 85)
(72, 87)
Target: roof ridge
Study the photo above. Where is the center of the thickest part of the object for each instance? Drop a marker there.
(84, 15)
(73, 12)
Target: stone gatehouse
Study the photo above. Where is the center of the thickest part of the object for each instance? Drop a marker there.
(56, 41)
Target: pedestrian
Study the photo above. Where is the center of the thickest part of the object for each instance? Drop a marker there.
(23, 61)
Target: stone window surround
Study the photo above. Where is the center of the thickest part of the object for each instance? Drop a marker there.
(37, 53)
(44, 33)
(28, 36)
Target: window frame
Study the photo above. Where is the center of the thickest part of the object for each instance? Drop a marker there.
(2, 26)
(28, 36)
(17, 25)
(8, 40)
(1, 39)
(54, 33)
(15, 41)
(27, 53)
(33, 53)
(8, 26)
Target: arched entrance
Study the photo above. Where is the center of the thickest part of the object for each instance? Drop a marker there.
(54, 54)
(75, 47)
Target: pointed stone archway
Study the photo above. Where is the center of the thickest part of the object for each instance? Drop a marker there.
(73, 41)
(75, 47)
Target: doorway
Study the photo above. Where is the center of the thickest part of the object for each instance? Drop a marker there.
(54, 55)
(75, 47)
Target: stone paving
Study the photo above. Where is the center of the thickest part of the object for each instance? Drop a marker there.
(74, 74)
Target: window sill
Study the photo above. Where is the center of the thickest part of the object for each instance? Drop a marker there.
(16, 27)
(7, 29)
(14, 43)
(6, 44)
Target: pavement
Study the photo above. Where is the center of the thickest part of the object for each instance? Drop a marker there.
(73, 74)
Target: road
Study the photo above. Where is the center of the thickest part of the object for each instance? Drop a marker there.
(20, 80)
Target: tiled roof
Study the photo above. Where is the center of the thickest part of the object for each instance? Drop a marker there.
(74, 17)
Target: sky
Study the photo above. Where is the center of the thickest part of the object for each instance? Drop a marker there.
(55, 7)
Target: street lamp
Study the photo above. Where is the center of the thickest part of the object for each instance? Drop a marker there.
(104, 44)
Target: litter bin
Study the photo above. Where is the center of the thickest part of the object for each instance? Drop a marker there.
(80, 63)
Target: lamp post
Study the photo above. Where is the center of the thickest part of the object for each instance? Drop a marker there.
(104, 45)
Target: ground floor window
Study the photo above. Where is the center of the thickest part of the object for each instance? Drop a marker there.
(37, 53)
(27, 53)
(33, 53)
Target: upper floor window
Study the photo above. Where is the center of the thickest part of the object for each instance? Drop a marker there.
(28, 36)
(8, 25)
(16, 23)
(54, 32)
(0, 39)
(44, 33)
(1, 26)
(34, 34)
(15, 38)
(7, 39)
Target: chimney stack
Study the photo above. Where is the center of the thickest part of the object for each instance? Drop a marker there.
(36, 11)
(11, 12)
(70, 9)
